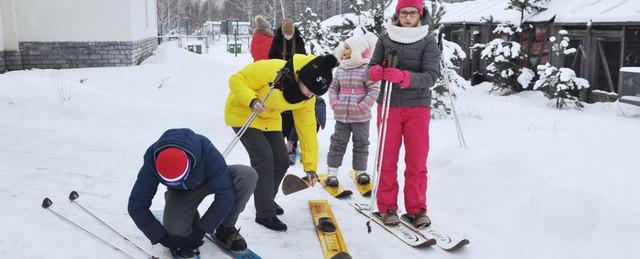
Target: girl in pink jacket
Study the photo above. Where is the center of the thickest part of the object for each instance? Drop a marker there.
(351, 96)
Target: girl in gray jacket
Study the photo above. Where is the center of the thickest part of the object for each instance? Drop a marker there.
(409, 112)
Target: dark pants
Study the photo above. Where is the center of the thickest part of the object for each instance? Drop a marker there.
(182, 206)
(340, 139)
(268, 155)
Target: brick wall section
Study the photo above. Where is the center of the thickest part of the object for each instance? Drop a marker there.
(143, 49)
(3, 67)
(59, 55)
(12, 60)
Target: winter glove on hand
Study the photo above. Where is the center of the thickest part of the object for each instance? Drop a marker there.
(397, 76)
(311, 178)
(376, 73)
(257, 105)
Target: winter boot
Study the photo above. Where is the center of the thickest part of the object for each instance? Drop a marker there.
(362, 177)
(332, 177)
(390, 218)
(231, 239)
(420, 219)
(279, 210)
(332, 181)
(272, 223)
(184, 253)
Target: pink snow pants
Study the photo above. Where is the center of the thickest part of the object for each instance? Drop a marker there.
(412, 123)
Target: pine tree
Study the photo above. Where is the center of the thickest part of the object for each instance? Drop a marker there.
(451, 53)
(437, 12)
(527, 6)
(373, 11)
(505, 70)
(318, 40)
(559, 83)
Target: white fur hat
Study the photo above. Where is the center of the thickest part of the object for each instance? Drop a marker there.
(361, 47)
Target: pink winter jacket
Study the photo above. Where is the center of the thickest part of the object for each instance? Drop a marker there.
(351, 95)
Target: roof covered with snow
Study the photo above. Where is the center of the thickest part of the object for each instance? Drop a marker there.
(583, 11)
(474, 11)
(564, 11)
(340, 19)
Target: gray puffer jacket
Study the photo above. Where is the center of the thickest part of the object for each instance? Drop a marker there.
(421, 58)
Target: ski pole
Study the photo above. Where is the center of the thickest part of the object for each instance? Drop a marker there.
(72, 198)
(244, 127)
(46, 204)
(388, 87)
(447, 77)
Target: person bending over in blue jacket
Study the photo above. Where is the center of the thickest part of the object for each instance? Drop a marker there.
(191, 168)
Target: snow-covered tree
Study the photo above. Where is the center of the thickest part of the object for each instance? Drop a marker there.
(557, 83)
(527, 6)
(374, 11)
(318, 40)
(452, 53)
(436, 10)
(505, 70)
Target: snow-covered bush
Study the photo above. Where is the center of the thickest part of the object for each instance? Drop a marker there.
(317, 39)
(557, 83)
(505, 70)
(452, 53)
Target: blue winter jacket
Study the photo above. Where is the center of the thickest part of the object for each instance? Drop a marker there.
(207, 167)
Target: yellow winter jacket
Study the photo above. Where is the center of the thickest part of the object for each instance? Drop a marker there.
(253, 81)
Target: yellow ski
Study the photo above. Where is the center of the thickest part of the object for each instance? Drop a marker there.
(331, 240)
(363, 189)
(337, 192)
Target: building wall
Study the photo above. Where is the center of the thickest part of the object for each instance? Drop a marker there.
(143, 19)
(3, 67)
(73, 20)
(78, 33)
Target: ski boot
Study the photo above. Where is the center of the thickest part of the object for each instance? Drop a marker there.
(390, 218)
(420, 219)
(231, 239)
(184, 253)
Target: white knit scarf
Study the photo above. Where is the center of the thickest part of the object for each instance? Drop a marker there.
(407, 34)
(353, 62)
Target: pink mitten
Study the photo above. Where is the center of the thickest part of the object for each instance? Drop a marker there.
(376, 73)
(397, 76)
(333, 102)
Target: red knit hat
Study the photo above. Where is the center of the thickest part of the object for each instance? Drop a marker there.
(172, 164)
(410, 3)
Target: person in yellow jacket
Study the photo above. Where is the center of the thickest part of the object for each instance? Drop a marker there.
(306, 76)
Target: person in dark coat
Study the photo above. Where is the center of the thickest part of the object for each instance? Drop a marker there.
(286, 42)
(286, 39)
(191, 168)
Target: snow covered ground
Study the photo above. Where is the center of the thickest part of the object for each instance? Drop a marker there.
(535, 182)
